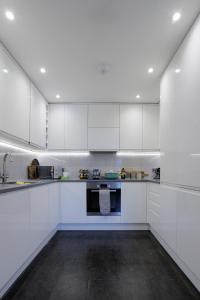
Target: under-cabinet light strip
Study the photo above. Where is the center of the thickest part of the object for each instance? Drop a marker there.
(137, 153)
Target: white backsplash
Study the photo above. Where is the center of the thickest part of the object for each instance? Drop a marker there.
(103, 161)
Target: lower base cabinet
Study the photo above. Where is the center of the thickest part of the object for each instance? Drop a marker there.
(133, 203)
(73, 202)
(27, 217)
(188, 229)
(15, 240)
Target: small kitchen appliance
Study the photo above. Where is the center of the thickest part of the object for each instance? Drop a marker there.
(96, 174)
(156, 173)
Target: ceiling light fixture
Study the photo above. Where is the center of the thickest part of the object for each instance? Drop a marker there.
(5, 70)
(137, 96)
(151, 70)
(57, 96)
(176, 17)
(178, 71)
(43, 70)
(9, 15)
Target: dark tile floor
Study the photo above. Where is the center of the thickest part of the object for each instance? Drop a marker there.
(100, 265)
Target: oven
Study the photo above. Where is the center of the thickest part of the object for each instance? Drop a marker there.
(93, 191)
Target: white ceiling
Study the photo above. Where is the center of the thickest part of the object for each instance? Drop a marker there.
(72, 37)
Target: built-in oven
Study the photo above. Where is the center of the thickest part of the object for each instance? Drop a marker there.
(93, 197)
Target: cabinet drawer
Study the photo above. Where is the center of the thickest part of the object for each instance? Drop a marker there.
(154, 188)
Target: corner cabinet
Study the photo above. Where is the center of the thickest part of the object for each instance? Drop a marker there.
(14, 98)
(38, 117)
(150, 127)
(56, 127)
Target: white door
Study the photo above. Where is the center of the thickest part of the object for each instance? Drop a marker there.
(103, 115)
(73, 202)
(56, 126)
(54, 205)
(15, 242)
(133, 203)
(168, 198)
(103, 139)
(38, 118)
(39, 207)
(188, 229)
(150, 126)
(130, 127)
(14, 98)
(75, 127)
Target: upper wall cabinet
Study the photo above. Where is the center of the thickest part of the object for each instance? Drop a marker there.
(76, 127)
(103, 115)
(150, 127)
(56, 127)
(14, 98)
(67, 127)
(38, 118)
(130, 127)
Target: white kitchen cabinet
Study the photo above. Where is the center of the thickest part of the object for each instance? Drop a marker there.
(153, 206)
(15, 245)
(188, 229)
(150, 126)
(73, 202)
(168, 198)
(54, 205)
(14, 98)
(76, 126)
(103, 115)
(133, 203)
(38, 118)
(103, 139)
(130, 127)
(56, 127)
(180, 108)
(39, 218)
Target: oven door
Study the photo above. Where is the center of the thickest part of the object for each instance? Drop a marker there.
(93, 208)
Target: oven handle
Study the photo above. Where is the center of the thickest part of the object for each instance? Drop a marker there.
(97, 191)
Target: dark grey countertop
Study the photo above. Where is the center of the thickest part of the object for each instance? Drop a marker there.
(5, 188)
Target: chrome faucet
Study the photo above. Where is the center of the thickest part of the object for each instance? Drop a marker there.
(4, 175)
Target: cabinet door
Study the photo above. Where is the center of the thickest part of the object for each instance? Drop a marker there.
(188, 229)
(131, 127)
(150, 127)
(103, 139)
(38, 118)
(39, 214)
(103, 115)
(15, 245)
(75, 127)
(14, 98)
(54, 205)
(73, 202)
(56, 127)
(168, 215)
(153, 206)
(133, 203)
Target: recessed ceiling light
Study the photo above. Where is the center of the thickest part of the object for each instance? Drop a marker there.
(43, 70)
(176, 17)
(9, 15)
(178, 71)
(137, 96)
(5, 70)
(150, 70)
(57, 96)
